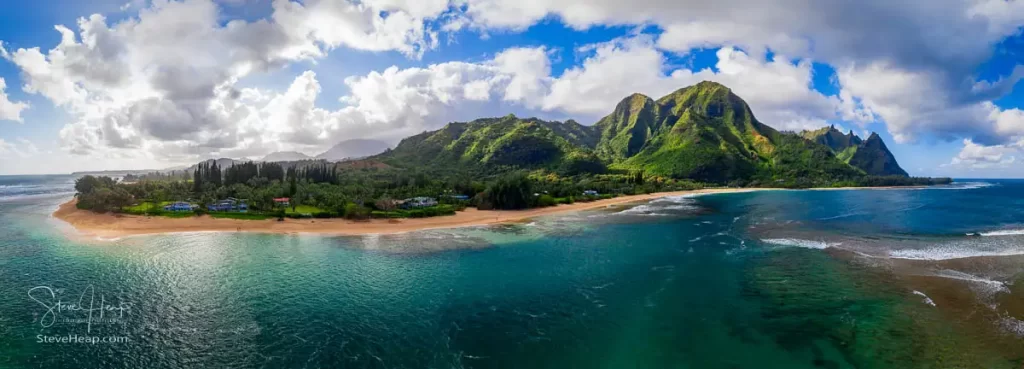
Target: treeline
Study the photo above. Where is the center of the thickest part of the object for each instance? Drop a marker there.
(334, 190)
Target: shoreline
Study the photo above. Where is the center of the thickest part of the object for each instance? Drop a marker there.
(112, 226)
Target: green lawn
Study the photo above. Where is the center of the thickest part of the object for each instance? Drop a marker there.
(147, 205)
(303, 209)
(152, 208)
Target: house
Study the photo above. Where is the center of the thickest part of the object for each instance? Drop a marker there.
(229, 204)
(283, 201)
(590, 193)
(179, 206)
(418, 202)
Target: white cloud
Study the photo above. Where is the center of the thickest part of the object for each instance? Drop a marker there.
(974, 156)
(166, 78)
(10, 110)
(416, 8)
(832, 30)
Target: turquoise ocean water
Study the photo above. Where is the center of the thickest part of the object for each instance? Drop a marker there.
(911, 278)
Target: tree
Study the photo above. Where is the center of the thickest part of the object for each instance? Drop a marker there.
(356, 211)
(513, 191)
(386, 204)
(88, 184)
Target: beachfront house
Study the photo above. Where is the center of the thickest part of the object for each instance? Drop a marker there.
(179, 206)
(229, 204)
(283, 201)
(418, 202)
(590, 193)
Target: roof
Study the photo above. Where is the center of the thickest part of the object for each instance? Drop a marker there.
(282, 199)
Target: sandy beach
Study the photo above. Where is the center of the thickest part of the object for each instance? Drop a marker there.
(92, 224)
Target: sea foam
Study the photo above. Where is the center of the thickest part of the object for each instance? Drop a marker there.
(927, 300)
(810, 244)
(986, 287)
(962, 186)
(1003, 232)
(949, 252)
(666, 206)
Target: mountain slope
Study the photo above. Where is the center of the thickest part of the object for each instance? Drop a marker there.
(871, 155)
(707, 133)
(354, 149)
(285, 156)
(505, 141)
(874, 158)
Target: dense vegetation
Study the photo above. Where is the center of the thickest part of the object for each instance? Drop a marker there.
(702, 134)
(321, 189)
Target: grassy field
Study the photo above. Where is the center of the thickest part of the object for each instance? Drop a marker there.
(147, 206)
(156, 209)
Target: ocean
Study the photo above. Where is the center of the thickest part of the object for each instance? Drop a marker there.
(867, 278)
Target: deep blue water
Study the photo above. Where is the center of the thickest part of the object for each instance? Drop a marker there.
(773, 279)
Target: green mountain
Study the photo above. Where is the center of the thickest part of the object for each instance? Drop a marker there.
(505, 141)
(702, 132)
(707, 133)
(869, 155)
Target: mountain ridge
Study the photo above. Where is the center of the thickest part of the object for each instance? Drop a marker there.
(870, 155)
(353, 149)
(285, 156)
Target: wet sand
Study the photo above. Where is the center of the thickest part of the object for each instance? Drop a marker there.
(97, 225)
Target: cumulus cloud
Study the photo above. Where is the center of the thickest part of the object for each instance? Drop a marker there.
(909, 33)
(974, 156)
(167, 76)
(9, 110)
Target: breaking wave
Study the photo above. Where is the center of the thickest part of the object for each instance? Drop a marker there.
(926, 300)
(962, 186)
(809, 244)
(665, 206)
(1003, 232)
(954, 251)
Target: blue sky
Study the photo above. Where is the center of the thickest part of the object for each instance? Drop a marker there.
(152, 84)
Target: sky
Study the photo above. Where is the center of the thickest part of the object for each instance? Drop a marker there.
(149, 84)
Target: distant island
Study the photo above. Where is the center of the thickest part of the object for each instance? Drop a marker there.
(700, 136)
